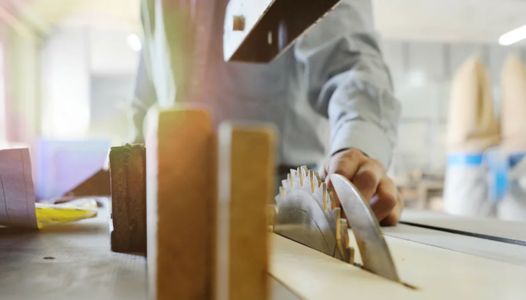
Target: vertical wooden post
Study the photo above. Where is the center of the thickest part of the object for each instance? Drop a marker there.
(246, 187)
(128, 199)
(180, 151)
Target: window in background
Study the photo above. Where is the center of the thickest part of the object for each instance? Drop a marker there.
(65, 79)
(88, 74)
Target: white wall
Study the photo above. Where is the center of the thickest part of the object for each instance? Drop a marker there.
(88, 75)
(65, 84)
(422, 73)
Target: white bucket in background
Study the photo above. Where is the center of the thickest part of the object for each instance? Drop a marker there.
(466, 186)
(513, 206)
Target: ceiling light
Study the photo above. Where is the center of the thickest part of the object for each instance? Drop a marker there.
(134, 41)
(513, 36)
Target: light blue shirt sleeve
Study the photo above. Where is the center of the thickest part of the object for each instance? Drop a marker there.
(349, 82)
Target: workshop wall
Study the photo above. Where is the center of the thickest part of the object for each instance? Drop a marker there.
(99, 67)
(422, 73)
(56, 56)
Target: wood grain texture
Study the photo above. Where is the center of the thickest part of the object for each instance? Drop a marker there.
(68, 261)
(74, 261)
(246, 177)
(97, 184)
(181, 192)
(505, 252)
(435, 272)
(128, 195)
(477, 225)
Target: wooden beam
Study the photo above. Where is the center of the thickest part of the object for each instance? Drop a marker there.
(260, 30)
(97, 184)
(180, 153)
(246, 188)
(128, 199)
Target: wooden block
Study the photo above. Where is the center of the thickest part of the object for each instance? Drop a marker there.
(97, 184)
(246, 187)
(128, 199)
(180, 153)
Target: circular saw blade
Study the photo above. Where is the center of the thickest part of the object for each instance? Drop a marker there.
(306, 214)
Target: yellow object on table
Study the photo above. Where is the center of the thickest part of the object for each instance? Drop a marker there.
(76, 210)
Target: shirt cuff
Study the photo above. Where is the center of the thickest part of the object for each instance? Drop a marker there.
(364, 136)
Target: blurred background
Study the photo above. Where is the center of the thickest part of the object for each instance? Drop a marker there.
(67, 73)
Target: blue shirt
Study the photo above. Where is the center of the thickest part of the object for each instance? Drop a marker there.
(330, 91)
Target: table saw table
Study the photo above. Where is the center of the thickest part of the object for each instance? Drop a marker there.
(437, 256)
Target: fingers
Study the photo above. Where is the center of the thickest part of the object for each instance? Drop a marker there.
(386, 200)
(363, 172)
(393, 218)
(346, 163)
(367, 178)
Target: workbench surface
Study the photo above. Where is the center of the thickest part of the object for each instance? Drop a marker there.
(74, 261)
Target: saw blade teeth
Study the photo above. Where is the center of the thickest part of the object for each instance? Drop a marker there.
(343, 231)
(300, 174)
(311, 179)
(350, 251)
(324, 195)
(344, 223)
(344, 241)
(282, 192)
(303, 185)
(332, 198)
(338, 230)
(285, 182)
(329, 199)
(318, 178)
(336, 213)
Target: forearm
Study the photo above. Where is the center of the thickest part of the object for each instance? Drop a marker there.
(363, 111)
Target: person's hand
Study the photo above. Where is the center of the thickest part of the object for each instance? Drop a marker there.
(370, 178)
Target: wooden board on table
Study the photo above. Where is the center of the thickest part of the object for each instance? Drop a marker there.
(246, 187)
(68, 261)
(180, 153)
(74, 261)
(513, 232)
(97, 184)
(435, 272)
(495, 250)
(128, 199)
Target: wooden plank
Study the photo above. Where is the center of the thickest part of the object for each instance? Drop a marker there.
(482, 226)
(440, 273)
(494, 250)
(180, 152)
(246, 177)
(74, 261)
(69, 261)
(128, 199)
(314, 275)
(97, 184)
(17, 195)
(437, 274)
